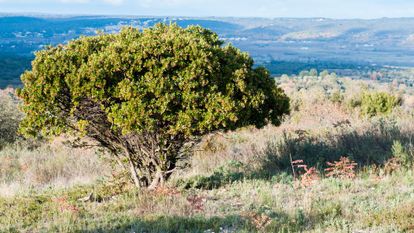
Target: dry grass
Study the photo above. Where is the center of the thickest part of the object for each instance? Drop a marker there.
(23, 169)
(319, 130)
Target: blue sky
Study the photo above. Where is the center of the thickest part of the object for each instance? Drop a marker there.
(239, 8)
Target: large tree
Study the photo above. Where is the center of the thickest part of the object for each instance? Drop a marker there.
(146, 95)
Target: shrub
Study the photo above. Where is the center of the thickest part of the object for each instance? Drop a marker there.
(308, 175)
(313, 72)
(324, 73)
(344, 168)
(147, 96)
(10, 117)
(373, 104)
(336, 97)
(354, 102)
(401, 155)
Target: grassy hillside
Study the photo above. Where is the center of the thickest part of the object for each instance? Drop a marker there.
(244, 181)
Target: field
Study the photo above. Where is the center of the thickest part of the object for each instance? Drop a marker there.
(334, 165)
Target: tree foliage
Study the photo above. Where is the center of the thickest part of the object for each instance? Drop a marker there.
(146, 95)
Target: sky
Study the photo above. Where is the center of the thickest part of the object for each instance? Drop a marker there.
(219, 8)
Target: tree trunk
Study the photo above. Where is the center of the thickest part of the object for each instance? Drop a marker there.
(157, 181)
(151, 160)
(134, 174)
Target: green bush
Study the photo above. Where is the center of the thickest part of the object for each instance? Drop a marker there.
(10, 117)
(374, 103)
(377, 103)
(354, 102)
(336, 97)
(147, 96)
(400, 153)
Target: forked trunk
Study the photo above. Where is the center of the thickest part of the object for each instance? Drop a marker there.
(151, 159)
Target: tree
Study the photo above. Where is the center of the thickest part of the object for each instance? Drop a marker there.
(304, 73)
(324, 73)
(313, 72)
(146, 96)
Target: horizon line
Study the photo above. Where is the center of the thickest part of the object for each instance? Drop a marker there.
(2, 14)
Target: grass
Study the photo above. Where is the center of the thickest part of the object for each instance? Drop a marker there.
(368, 203)
(48, 166)
(239, 181)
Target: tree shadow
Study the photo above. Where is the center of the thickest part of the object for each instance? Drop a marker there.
(247, 222)
(372, 146)
(177, 224)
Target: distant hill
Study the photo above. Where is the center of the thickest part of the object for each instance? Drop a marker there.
(284, 40)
